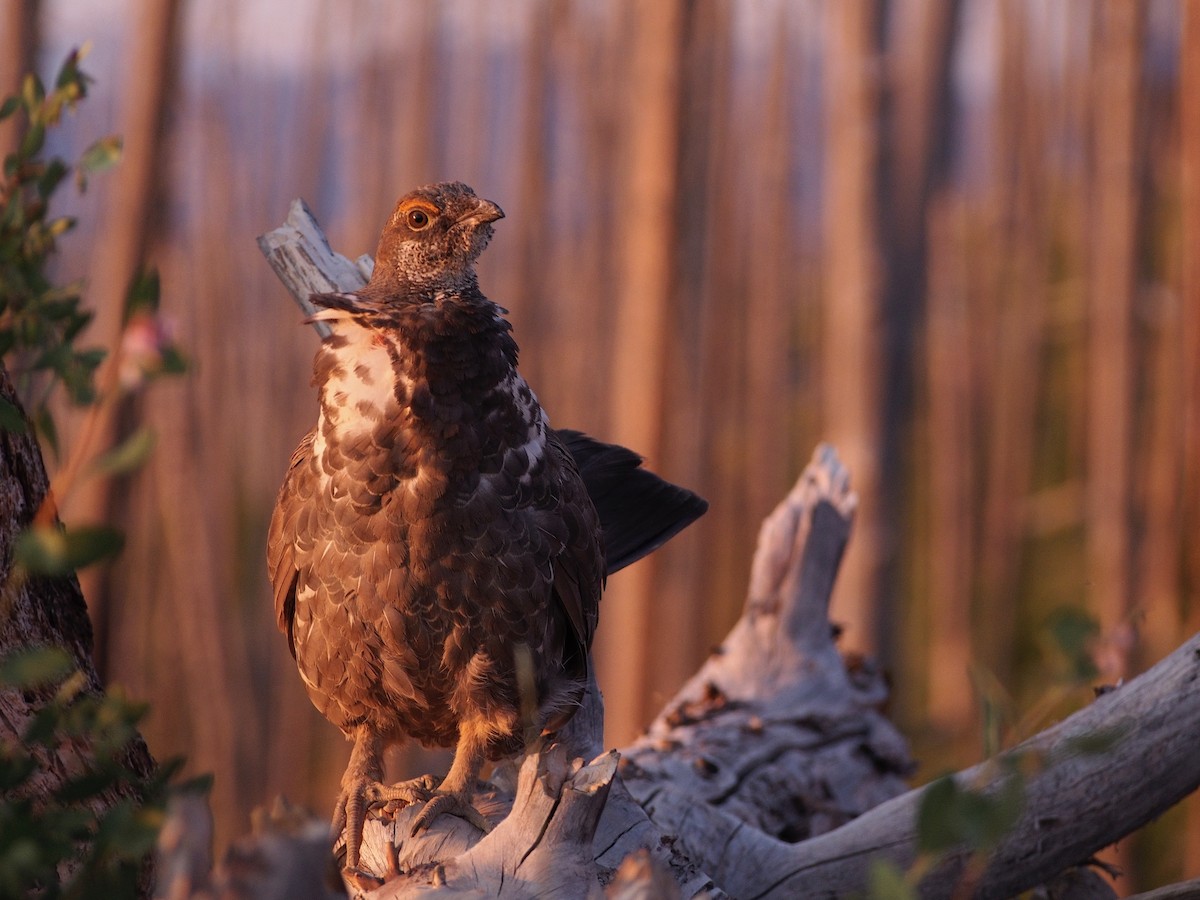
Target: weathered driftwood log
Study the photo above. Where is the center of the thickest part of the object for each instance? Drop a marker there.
(772, 773)
(1078, 803)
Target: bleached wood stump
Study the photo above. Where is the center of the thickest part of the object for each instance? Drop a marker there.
(772, 773)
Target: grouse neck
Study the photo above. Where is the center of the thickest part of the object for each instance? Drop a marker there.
(405, 286)
(451, 336)
(426, 368)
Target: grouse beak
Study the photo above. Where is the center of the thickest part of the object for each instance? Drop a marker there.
(486, 211)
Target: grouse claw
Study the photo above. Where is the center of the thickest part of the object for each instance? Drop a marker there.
(453, 804)
(361, 794)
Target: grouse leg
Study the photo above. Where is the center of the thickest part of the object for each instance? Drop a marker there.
(457, 790)
(362, 788)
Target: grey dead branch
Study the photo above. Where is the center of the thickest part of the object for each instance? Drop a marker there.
(772, 773)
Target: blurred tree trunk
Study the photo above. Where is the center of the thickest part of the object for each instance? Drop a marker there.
(1160, 467)
(917, 117)
(132, 214)
(584, 62)
(1189, 111)
(852, 342)
(528, 285)
(18, 52)
(771, 301)
(677, 606)
(952, 473)
(1010, 334)
(1112, 288)
(918, 120)
(646, 233)
(886, 151)
(718, 246)
(1112, 366)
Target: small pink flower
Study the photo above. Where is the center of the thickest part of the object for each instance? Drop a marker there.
(143, 344)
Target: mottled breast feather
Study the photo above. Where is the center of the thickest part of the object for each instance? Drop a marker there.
(430, 527)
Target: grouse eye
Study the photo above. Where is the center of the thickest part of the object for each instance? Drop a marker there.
(417, 219)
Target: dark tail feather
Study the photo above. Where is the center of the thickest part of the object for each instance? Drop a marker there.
(639, 512)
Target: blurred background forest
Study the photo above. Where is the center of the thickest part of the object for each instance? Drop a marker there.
(949, 236)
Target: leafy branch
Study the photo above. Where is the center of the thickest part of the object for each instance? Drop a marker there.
(82, 805)
(82, 842)
(978, 815)
(41, 323)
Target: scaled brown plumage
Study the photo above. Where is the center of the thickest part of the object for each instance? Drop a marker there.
(435, 554)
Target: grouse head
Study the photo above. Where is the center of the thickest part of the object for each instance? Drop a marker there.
(433, 238)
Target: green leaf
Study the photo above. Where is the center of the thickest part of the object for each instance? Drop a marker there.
(994, 707)
(128, 832)
(9, 106)
(173, 362)
(11, 417)
(83, 787)
(46, 550)
(32, 92)
(143, 293)
(950, 815)
(51, 178)
(35, 667)
(56, 356)
(101, 155)
(44, 420)
(128, 455)
(1073, 632)
(197, 784)
(92, 357)
(15, 771)
(55, 228)
(43, 551)
(1000, 810)
(92, 543)
(69, 72)
(885, 881)
(33, 140)
(1096, 743)
(937, 826)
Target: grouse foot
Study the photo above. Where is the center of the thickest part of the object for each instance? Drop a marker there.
(361, 794)
(450, 803)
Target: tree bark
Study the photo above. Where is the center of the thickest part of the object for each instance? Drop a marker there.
(42, 611)
(34, 611)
